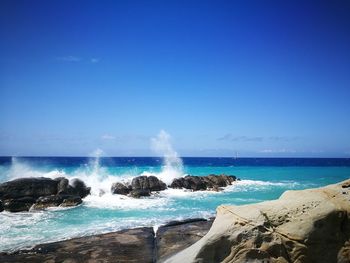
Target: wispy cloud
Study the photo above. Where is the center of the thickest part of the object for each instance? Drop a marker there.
(94, 60)
(232, 138)
(69, 59)
(108, 137)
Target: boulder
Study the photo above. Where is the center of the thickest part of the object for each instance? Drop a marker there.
(120, 189)
(147, 182)
(79, 188)
(24, 187)
(137, 193)
(210, 182)
(301, 226)
(18, 205)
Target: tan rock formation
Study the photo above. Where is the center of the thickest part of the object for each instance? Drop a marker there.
(301, 226)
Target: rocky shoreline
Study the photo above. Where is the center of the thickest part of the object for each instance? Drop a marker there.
(28, 194)
(139, 245)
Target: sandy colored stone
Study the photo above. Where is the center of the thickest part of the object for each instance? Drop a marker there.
(301, 226)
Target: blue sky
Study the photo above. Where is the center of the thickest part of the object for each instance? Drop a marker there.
(263, 78)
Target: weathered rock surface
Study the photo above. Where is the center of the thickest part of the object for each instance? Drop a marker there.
(175, 236)
(139, 245)
(148, 182)
(24, 187)
(120, 189)
(23, 193)
(133, 245)
(210, 182)
(140, 186)
(302, 226)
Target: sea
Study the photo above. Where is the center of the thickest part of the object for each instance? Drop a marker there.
(261, 179)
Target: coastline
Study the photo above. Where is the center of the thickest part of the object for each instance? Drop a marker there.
(300, 226)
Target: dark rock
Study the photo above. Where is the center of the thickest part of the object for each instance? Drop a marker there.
(19, 204)
(126, 246)
(137, 193)
(178, 235)
(71, 201)
(62, 185)
(120, 189)
(80, 188)
(210, 182)
(1, 206)
(148, 182)
(44, 202)
(155, 184)
(32, 187)
(47, 201)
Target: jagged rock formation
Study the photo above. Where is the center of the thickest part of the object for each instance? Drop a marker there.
(301, 226)
(24, 194)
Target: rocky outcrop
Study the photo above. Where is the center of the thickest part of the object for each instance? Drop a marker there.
(302, 226)
(139, 245)
(140, 186)
(120, 189)
(131, 245)
(210, 182)
(39, 193)
(176, 236)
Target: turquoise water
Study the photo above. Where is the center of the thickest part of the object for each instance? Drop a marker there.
(105, 213)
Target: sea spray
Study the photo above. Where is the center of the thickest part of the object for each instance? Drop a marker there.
(172, 166)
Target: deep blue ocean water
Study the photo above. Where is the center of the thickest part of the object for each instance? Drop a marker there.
(261, 179)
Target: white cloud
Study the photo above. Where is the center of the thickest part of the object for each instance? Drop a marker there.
(69, 59)
(94, 60)
(277, 151)
(107, 137)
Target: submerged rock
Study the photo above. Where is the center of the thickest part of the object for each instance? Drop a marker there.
(301, 226)
(210, 182)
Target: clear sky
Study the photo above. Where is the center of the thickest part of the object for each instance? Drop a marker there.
(263, 78)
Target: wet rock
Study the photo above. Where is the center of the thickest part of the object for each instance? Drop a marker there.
(137, 193)
(155, 184)
(151, 183)
(44, 202)
(18, 205)
(178, 235)
(24, 187)
(71, 201)
(120, 189)
(210, 182)
(126, 246)
(1, 206)
(62, 185)
(79, 188)
(47, 201)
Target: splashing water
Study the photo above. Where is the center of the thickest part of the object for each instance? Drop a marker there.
(173, 167)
